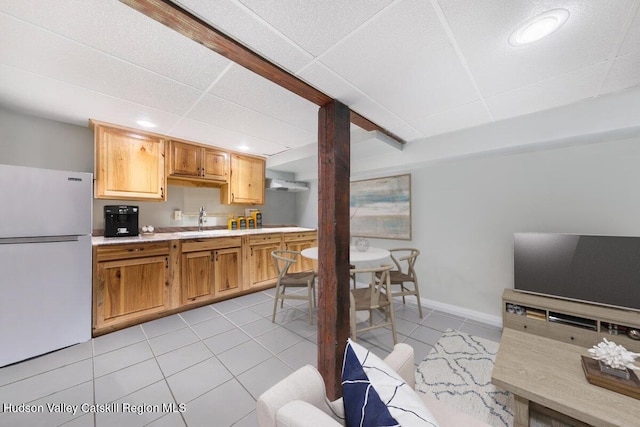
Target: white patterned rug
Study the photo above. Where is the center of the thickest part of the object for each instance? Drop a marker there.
(458, 371)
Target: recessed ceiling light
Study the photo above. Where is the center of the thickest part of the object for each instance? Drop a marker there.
(146, 123)
(244, 148)
(538, 27)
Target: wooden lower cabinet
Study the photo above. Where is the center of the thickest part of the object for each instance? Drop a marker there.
(261, 267)
(129, 286)
(213, 272)
(138, 282)
(228, 271)
(299, 242)
(197, 276)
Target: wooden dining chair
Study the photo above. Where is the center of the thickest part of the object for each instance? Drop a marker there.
(373, 298)
(283, 260)
(405, 273)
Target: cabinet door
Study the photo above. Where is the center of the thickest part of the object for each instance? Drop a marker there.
(246, 181)
(129, 166)
(302, 263)
(261, 263)
(214, 164)
(299, 242)
(185, 159)
(131, 287)
(197, 276)
(228, 270)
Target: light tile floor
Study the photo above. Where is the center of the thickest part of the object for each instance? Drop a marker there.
(203, 367)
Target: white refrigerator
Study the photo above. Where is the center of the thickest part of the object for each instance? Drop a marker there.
(45, 261)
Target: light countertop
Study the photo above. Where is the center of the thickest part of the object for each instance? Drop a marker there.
(155, 237)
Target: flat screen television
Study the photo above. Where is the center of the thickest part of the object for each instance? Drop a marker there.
(598, 269)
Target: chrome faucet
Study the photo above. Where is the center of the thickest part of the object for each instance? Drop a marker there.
(201, 217)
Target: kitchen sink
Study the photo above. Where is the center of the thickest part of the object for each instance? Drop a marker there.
(204, 233)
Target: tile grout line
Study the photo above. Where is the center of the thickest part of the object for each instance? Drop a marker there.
(299, 332)
(164, 377)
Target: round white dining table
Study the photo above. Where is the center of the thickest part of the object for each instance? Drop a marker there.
(372, 254)
(355, 256)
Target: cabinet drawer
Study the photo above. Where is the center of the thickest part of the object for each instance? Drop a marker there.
(623, 340)
(526, 324)
(265, 238)
(305, 235)
(131, 250)
(572, 335)
(193, 245)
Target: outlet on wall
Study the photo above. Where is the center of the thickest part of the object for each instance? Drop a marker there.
(177, 215)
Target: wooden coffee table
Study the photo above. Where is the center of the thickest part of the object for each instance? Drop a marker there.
(549, 373)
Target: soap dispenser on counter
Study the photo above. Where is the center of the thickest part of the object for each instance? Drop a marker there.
(233, 223)
(257, 218)
(255, 215)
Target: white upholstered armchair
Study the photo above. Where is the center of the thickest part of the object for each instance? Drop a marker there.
(300, 399)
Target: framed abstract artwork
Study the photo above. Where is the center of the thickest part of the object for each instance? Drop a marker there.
(381, 207)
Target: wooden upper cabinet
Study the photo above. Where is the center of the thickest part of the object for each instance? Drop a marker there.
(129, 164)
(191, 161)
(246, 181)
(185, 159)
(214, 164)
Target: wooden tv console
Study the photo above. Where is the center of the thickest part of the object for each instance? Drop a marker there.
(576, 323)
(539, 360)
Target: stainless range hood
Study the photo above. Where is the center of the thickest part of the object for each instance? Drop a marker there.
(277, 184)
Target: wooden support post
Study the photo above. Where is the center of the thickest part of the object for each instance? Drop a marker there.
(333, 242)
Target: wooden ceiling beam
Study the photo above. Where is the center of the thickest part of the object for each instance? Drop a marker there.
(189, 25)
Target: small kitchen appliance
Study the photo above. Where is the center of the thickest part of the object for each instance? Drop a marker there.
(120, 221)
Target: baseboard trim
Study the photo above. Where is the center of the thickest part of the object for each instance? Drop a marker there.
(463, 312)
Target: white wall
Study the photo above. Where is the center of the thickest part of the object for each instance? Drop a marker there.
(32, 141)
(464, 213)
(41, 143)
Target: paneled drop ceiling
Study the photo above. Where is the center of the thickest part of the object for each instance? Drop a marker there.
(418, 68)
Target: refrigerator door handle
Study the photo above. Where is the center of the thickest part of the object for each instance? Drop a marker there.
(44, 239)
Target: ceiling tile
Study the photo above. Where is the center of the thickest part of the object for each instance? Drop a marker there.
(623, 74)
(42, 52)
(554, 92)
(224, 114)
(481, 29)
(405, 131)
(194, 130)
(113, 27)
(337, 87)
(375, 112)
(57, 100)
(631, 42)
(319, 76)
(465, 116)
(403, 60)
(243, 87)
(234, 20)
(316, 25)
